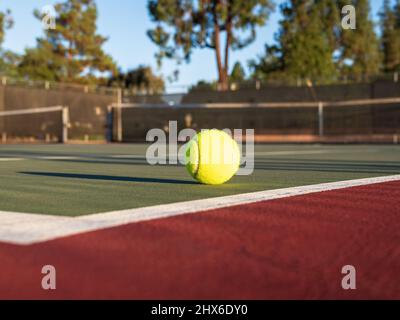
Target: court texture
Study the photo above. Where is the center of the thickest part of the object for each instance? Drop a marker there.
(115, 227)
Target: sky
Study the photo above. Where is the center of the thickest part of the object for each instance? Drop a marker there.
(125, 23)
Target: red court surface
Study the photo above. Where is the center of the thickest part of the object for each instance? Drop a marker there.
(288, 248)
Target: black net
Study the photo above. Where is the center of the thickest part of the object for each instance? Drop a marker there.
(46, 125)
(88, 111)
(377, 117)
(363, 117)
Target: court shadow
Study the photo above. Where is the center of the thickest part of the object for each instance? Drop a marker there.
(108, 178)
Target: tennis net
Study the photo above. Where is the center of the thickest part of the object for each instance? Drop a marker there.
(48, 124)
(316, 120)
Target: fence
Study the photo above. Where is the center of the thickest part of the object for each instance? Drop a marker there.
(296, 119)
(341, 92)
(51, 85)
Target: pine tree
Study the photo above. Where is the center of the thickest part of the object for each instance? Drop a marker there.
(390, 38)
(397, 15)
(307, 39)
(268, 66)
(360, 47)
(329, 12)
(238, 74)
(6, 22)
(141, 80)
(73, 51)
(8, 59)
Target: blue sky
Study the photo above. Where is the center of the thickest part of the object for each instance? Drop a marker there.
(125, 22)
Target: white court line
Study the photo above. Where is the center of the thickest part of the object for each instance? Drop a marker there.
(56, 158)
(10, 159)
(25, 228)
(39, 158)
(127, 156)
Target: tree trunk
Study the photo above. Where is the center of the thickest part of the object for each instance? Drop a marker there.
(69, 62)
(223, 79)
(227, 47)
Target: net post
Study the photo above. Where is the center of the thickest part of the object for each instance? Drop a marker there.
(110, 124)
(119, 115)
(320, 119)
(65, 124)
(395, 139)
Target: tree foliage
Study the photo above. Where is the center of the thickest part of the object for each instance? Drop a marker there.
(6, 22)
(220, 25)
(8, 59)
(238, 74)
(311, 43)
(306, 41)
(390, 41)
(140, 80)
(73, 51)
(269, 65)
(360, 47)
(307, 46)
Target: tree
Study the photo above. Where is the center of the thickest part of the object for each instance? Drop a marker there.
(141, 79)
(8, 60)
(203, 85)
(6, 22)
(71, 52)
(360, 47)
(306, 41)
(185, 25)
(42, 63)
(9, 63)
(331, 22)
(307, 50)
(269, 65)
(397, 13)
(238, 74)
(390, 39)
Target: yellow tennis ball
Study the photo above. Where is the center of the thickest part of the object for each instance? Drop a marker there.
(212, 157)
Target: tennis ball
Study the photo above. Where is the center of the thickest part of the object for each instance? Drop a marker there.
(212, 157)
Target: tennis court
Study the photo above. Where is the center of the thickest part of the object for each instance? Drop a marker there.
(129, 170)
(140, 231)
(73, 180)
(158, 234)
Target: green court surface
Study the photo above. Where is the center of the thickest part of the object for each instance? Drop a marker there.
(75, 180)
